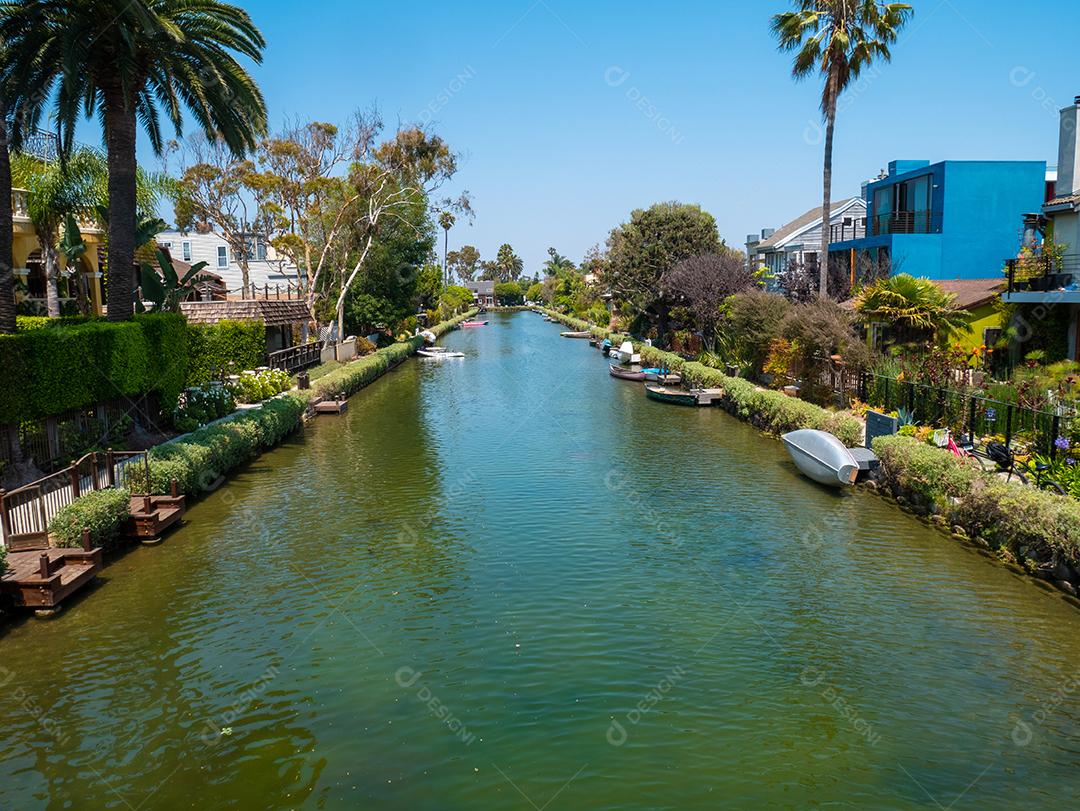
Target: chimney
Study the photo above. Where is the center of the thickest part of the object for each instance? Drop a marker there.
(1068, 179)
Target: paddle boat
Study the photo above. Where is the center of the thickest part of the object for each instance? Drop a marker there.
(438, 352)
(822, 457)
(474, 324)
(687, 397)
(582, 334)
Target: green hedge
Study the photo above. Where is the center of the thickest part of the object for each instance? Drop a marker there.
(103, 512)
(1029, 523)
(72, 366)
(197, 460)
(212, 347)
(26, 323)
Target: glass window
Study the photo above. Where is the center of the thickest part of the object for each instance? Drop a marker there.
(187, 251)
(222, 256)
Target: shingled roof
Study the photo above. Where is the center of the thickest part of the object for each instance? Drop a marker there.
(809, 218)
(273, 313)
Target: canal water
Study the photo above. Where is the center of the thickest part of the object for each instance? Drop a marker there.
(512, 582)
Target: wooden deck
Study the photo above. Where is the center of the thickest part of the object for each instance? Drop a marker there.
(332, 407)
(45, 578)
(152, 515)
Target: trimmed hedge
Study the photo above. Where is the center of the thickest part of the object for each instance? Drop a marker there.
(196, 461)
(103, 512)
(1032, 524)
(69, 366)
(212, 347)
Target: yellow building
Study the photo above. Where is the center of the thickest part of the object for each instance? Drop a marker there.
(29, 269)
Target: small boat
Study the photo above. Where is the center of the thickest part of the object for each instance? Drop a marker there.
(663, 377)
(627, 374)
(474, 324)
(428, 336)
(548, 318)
(822, 457)
(583, 334)
(605, 347)
(689, 397)
(438, 352)
(625, 354)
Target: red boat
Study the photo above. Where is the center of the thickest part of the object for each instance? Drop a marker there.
(475, 324)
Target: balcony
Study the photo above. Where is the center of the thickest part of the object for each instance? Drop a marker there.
(843, 231)
(907, 222)
(1044, 276)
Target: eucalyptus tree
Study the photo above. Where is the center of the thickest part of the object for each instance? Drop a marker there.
(838, 39)
(128, 63)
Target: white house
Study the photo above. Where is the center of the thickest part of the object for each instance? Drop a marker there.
(266, 269)
(800, 240)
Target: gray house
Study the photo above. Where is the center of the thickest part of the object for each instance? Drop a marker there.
(800, 239)
(483, 292)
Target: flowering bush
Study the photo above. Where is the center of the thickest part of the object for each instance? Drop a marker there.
(202, 404)
(254, 387)
(103, 512)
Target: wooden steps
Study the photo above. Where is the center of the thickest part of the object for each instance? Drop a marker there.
(152, 515)
(43, 578)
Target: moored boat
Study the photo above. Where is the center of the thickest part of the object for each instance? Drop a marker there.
(822, 457)
(625, 354)
(438, 352)
(475, 324)
(626, 374)
(674, 396)
(582, 334)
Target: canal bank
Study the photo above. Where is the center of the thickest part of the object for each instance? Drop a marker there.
(1034, 532)
(622, 604)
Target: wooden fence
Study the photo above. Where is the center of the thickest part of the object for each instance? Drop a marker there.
(25, 512)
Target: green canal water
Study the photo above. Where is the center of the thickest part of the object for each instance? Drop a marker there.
(512, 582)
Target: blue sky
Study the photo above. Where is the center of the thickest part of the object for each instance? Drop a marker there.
(568, 115)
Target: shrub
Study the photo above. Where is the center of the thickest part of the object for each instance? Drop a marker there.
(932, 475)
(76, 365)
(198, 460)
(225, 347)
(202, 404)
(254, 387)
(3, 559)
(753, 320)
(364, 346)
(103, 512)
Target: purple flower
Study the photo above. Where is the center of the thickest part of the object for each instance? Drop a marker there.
(1061, 443)
(1071, 461)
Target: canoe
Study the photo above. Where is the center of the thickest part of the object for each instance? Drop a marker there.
(822, 457)
(439, 352)
(627, 374)
(585, 334)
(475, 324)
(673, 396)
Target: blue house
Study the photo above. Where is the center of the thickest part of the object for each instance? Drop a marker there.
(948, 220)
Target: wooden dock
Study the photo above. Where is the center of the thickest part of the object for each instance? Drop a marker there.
(152, 515)
(44, 578)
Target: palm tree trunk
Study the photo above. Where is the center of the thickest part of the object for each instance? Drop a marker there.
(52, 275)
(7, 259)
(120, 128)
(826, 204)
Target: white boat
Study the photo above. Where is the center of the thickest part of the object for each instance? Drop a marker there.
(822, 457)
(428, 336)
(438, 352)
(625, 354)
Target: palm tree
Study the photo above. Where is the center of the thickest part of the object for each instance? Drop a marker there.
(446, 220)
(837, 38)
(55, 191)
(128, 63)
(911, 305)
(556, 263)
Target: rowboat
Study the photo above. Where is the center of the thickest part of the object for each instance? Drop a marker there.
(584, 334)
(475, 324)
(822, 457)
(689, 397)
(438, 352)
(627, 374)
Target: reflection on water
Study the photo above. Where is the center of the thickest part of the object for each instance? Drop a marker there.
(511, 581)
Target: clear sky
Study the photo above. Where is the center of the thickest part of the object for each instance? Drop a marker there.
(569, 114)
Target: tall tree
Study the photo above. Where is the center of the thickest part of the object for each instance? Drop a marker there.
(446, 221)
(706, 282)
(556, 263)
(508, 263)
(838, 39)
(127, 63)
(643, 251)
(464, 263)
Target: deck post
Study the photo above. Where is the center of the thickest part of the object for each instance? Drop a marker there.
(74, 474)
(146, 470)
(86, 540)
(110, 463)
(43, 565)
(148, 505)
(174, 488)
(94, 470)
(5, 523)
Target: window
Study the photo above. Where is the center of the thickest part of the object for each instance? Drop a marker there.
(187, 251)
(222, 256)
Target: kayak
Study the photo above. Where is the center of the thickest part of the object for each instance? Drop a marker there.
(475, 324)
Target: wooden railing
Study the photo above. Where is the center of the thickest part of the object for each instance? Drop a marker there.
(296, 358)
(25, 512)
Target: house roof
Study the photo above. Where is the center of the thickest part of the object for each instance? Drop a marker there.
(273, 313)
(482, 287)
(811, 217)
(1066, 200)
(969, 293)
